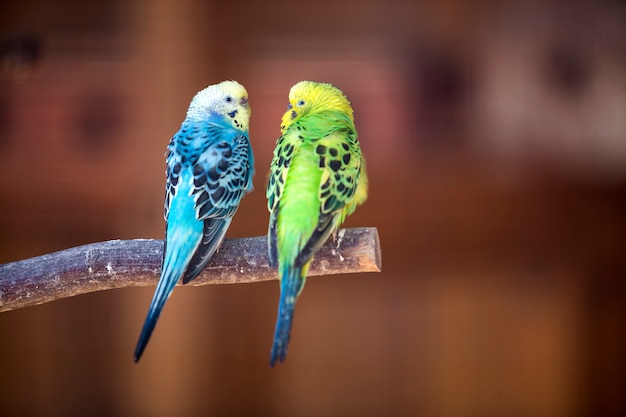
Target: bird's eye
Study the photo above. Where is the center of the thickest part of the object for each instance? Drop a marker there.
(300, 103)
(243, 101)
(229, 99)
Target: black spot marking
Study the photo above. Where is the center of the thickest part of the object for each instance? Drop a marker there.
(330, 203)
(333, 151)
(199, 181)
(322, 162)
(227, 153)
(321, 149)
(222, 165)
(345, 146)
(346, 158)
(341, 187)
(281, 161)
(218, 193)
(325, 194)
(204, 210)
(213, 174)
(335, 165)
(326, 184)
(202, 198)
(197, 169)
(176, 169)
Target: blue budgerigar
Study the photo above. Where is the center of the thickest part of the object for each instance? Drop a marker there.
(209, 169)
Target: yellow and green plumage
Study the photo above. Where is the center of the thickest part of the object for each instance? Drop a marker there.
(317, 179)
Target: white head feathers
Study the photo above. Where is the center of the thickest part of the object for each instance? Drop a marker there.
(228, 99)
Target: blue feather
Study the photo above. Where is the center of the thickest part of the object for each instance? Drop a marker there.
(209, 169)
(291, 283)
(183, 237)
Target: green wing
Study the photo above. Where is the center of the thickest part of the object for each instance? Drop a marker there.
(339, 158)
(340, 161)
(286, 147)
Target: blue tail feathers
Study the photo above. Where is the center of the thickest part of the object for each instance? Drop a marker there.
(291, 285)
(177, 255)
(163, 291)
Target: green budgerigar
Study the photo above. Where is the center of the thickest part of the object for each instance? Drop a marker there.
(317, 179)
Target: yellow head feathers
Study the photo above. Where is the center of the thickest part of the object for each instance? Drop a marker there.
(307, 97)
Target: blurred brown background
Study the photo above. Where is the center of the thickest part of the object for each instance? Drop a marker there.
(496, 139)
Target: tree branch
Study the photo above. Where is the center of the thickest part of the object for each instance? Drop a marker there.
(134, 263)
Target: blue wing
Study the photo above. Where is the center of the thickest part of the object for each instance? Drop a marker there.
(204, 187)
(220, 180)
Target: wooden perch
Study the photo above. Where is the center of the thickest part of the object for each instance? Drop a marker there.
(133, 263)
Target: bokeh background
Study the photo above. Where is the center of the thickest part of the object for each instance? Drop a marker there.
(496, 139)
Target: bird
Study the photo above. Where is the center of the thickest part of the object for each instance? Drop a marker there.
(209, 168)
(317, 178)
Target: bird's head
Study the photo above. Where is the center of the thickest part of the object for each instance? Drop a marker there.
(307, 97)
(228, 99)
